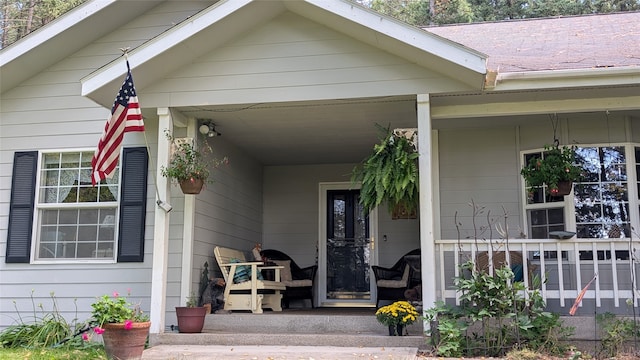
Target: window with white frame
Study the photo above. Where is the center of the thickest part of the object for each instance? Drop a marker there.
(598, 206)
(75, 220)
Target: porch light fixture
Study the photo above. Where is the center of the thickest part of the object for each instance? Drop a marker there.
(209, 128)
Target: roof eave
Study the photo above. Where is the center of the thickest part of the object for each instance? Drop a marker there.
(571, 78)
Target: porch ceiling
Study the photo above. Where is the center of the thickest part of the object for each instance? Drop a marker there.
(318, 132)
(344, 131)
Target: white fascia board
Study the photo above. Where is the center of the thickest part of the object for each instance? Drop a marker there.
(161, 43)
(413, 36)
(553, 79)
(53, 29)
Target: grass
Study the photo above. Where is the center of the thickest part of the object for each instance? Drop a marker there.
(63, 353)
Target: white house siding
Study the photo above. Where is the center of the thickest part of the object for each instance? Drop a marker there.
(293, 59)
(479, 165)
(47, 112)
(291, 214)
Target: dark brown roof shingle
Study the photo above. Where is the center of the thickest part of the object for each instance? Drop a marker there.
(580, 42)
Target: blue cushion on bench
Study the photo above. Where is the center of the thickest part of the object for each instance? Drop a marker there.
(243, 272)
(517, 272)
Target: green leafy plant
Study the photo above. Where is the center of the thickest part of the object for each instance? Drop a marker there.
(115, 309)
(47, 333)
(188, 163)
(42, 329)
(496, 313)
(192, 300)
(389, 174)
(398, 313)
(615, 332)
(447, 331)
(557, 164)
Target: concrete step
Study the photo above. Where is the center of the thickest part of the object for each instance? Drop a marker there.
(301, 323)
(312, 327)
(237, 339)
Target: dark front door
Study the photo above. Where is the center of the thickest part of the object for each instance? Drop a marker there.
(348, 247)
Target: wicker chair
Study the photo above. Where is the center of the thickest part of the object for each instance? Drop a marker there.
(300, 286)
(499, 261)
(391, 283)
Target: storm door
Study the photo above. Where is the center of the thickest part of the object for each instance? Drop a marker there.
(348, 251)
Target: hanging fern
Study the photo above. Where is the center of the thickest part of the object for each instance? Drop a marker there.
(389, 174)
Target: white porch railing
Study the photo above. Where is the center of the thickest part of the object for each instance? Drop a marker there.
(564, 266)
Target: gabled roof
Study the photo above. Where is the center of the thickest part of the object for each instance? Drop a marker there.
(562, 43)
(228, 18)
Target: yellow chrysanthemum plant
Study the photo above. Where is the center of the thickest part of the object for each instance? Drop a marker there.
(398, 313)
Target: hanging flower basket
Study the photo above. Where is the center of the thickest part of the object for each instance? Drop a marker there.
(190, 166)
(556, 169)
(191, 186)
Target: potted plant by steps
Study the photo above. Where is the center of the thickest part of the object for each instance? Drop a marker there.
(189, 166)
(390, 173)
(123, 326)
(397, 316)
(191, 317)
(556, 169)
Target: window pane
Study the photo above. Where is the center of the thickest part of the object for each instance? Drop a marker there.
(556, 216)
(538, 217)
(586, 193)
(590, 160)
(88, 194)
(70, 160)
(587, 213)
(542, 221)
(590, 231)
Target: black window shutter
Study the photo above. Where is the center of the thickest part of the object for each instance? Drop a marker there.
(133, 204)
(21, 207)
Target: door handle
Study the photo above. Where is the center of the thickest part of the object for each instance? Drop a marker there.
(373, 243)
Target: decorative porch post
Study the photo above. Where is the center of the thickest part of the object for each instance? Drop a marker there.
(427, 240)
(188, 222)
(161, 229)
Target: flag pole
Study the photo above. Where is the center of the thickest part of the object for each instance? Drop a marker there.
(162, 204)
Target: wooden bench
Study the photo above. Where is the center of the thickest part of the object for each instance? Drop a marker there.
(253, 294)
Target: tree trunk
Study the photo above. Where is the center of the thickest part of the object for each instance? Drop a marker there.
(32, 6)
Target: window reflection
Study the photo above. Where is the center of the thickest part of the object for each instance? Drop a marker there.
(601, 199)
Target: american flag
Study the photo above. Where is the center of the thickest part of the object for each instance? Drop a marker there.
(125, 116)
(576, 303)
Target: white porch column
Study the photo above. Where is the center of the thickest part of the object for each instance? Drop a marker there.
(188, 225)
(161, 229)
(427, 240)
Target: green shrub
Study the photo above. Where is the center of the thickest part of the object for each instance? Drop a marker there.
(615, 332)
(496, 313)
(44, 329)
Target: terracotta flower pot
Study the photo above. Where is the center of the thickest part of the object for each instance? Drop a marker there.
(125, 344)
(190, 319)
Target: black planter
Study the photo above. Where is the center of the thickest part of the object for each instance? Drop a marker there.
(564, 188)
(396, 330)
